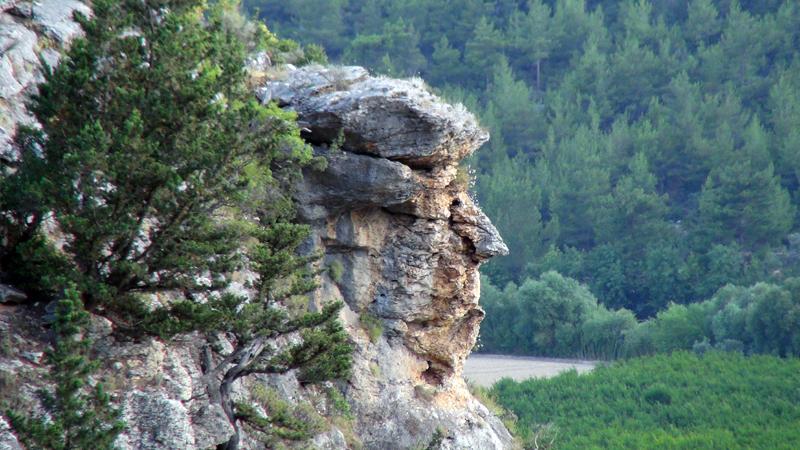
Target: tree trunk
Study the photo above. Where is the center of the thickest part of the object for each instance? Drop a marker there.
(539, 75)
(253, 351)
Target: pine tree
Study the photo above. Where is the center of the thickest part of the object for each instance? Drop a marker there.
(397, 42)
(483, 52)
(784, 114)
(319, 21)
(505, 192)
(744, 201)
(167, 175)
(77, 415)
(517, 117)
(369, 19)
(444, 63)
(702, 23)
(150, 142)
(579, 184)
(636, 211)
(530, 34)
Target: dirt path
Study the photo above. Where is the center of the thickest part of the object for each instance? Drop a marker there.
(485, 370)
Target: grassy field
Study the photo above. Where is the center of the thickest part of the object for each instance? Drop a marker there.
(677, 401)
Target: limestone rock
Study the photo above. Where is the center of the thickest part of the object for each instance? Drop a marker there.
(55, 18)
(10, 294)
(388, 208)
(355, 181)
(20, 51)
(7, 440)
(409, 239)
(6, 5)
(398, 120)
(471, 223)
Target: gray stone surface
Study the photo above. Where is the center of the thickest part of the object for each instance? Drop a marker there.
(7, 4)
(55, 18)
(20, 51)
(395, 119)
(9, 294)
(355, 181)
(410, 240)
(155, 421)
(471, 223)
(7, 439)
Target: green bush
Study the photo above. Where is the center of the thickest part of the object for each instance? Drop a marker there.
(336, 270)
(372, 324)
(556, 316)
(551, 316)
(658, 394)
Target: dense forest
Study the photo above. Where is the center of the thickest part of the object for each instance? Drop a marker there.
(556, 316)
(649, 150)
(678, 401)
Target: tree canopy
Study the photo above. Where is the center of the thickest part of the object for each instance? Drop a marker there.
(165, 175)
(633, 142)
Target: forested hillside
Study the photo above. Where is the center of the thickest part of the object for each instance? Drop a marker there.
(649, 149)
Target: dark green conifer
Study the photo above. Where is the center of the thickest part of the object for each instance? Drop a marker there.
(77, 415)
(167, 175)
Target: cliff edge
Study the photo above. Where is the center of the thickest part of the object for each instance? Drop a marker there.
(401, 241)
(392, 211)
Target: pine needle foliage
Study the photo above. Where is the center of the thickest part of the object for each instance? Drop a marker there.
(76, 415)
(150, 143)
(166, 175)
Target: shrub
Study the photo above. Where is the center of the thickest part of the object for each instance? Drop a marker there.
(551, 316)
(336, 270)
(658, 393)
(77, 414)
(372, 325)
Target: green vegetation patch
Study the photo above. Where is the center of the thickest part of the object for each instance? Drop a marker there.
(716, 401)
(372, 326)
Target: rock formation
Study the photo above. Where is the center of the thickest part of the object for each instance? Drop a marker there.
(392, 210)
(400, 236)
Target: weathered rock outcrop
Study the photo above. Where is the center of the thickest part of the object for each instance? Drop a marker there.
(390, 213)
(391, 210)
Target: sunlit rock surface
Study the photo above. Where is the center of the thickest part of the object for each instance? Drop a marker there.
(30, 33)
(391, 211)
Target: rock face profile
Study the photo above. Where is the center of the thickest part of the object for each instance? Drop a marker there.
(392, 214)
(401, 241)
